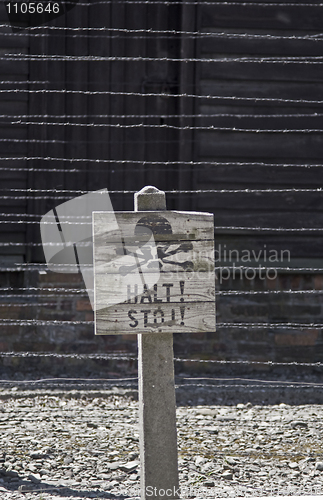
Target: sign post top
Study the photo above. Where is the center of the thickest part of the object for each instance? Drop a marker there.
(150, 198)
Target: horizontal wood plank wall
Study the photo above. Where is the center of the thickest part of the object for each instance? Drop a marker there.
(47, 141)
(13, 140)
(146, 144)
(248, 99)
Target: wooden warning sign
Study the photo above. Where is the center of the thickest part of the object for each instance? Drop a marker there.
(153, 272)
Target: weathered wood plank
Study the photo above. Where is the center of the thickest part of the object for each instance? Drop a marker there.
(7, 41)
(257, 43)
(177, 317)
(174, 256)
(261, 145)
(16, 108)
(291, 72)
(13, 68)
(14, 132)
(271, 248)
(257, 121)
(21, 98)
(254, 88)
(168, 288)
(275, 17)
(166, 225)
(267, 218)
(13, 148)
(260, 176)
(270, 201)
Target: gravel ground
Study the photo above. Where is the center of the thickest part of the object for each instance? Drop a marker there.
(73, 444)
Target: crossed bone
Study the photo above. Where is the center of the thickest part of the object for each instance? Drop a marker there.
(162, 254)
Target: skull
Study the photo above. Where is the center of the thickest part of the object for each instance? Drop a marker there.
(156, 224)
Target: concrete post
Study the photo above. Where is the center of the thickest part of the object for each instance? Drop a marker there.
(157, 404)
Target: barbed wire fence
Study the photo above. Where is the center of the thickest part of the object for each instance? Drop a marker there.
(26, 296)
(42, 143)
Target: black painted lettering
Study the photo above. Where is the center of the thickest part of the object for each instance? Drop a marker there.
(168, 287)
(131, 295)
(181, 284)
(155, 294)
(182, 309)
(145, 295)
(161, 314)
(146, 312)
(135, 322)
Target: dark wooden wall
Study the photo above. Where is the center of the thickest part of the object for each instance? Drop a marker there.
(137, 116)
(265, 120)
(255, 120)
(134, 142)
(13, 75)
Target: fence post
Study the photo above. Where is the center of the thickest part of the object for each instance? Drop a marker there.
(157, 404)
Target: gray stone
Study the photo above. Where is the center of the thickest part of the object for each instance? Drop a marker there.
(104, 476)
(114, 483)
(299, 423)
(209, 483)
(200, 460)
(112, 465)
(206, 411)
(319, 466)
(38, 454)
(129, 467)
(231, 461)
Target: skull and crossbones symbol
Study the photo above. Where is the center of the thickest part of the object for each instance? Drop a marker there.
(145, 227)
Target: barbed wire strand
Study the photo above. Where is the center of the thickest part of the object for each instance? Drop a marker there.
(127, 357)
(314, 114)
(140, 162)
(80, 29)
(200, 2)
(64, 219)
(160, 34)
(261, 382)
(176, 191)
(217, 293)
(173, 127)
(286, 326)
(163, 94)
(302, 60)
